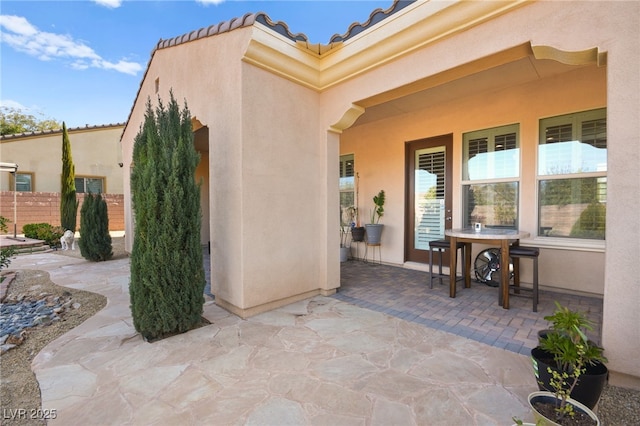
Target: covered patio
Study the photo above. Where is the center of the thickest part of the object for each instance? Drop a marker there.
(474, 313)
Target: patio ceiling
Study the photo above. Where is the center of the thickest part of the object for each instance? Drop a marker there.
(503, 70)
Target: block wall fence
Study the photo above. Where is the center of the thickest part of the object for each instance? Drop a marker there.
(44, 207)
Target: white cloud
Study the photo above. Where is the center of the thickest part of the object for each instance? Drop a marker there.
(208, 2)
(112, 4)
(24, 37)
(9, 103)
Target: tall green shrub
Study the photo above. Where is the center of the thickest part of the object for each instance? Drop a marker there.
(68, 201)
(95, 241)
(167, 275)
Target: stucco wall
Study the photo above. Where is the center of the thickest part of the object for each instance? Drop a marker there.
(96, 152)
(263, 158)
(621, 316)
(282, 162)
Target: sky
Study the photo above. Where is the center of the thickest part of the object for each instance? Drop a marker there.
(82, 61)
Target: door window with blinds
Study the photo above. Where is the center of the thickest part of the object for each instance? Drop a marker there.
(347, 183)
(572, 175)
(429, 196)
(490, 176)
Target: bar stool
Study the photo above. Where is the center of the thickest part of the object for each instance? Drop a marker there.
(440, 246)
(517, 252)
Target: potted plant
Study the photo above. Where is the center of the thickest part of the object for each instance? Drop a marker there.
(559, 351)
(551, 409)
(374, 229)
(563, 356)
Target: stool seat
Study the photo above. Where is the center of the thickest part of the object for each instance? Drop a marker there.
(443, 244)
(440, 246)
(520, 251)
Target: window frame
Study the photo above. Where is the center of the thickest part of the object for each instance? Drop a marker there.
(103, 179)
(468, 181)
(32, 184)
(577, 119)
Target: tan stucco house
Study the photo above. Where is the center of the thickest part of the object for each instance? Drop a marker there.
(95, 150)
(516, 114)
(97, 159)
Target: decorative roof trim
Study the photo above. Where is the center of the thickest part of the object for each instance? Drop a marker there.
(582, 57)
(226, 26)
(59, 131)
(280, 27)
(223, 27)
(413, 26)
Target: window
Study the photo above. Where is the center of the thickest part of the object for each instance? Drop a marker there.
(572, 175)
(89, 184)
(347, 185)
(490, 172)
(23, 183)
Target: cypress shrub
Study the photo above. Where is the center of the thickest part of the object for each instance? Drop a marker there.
(95, 241)
(68, 201)
(167, 275)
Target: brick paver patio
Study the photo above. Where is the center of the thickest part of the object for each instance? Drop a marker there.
(474, 313)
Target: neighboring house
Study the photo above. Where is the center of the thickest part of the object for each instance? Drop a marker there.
(517, 114)
(97, 159)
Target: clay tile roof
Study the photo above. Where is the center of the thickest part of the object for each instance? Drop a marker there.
(223, 27)
(280, 27)
(54, 131)
(375, 17)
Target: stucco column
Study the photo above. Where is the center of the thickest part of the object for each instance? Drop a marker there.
(332, 219)
(621, 316)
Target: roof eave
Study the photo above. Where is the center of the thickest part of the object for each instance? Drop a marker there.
(411, 28)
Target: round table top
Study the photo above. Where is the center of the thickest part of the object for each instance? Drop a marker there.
(487, 233)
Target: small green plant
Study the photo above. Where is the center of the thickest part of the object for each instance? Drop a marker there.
(572, 351)
(3, 224)
(378, 210)
(5, 253)
(519, 422)
(5, 257)
(43, 231)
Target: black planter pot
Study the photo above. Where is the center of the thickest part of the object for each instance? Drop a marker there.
(542, 334)
(589, 386)
(357, 234)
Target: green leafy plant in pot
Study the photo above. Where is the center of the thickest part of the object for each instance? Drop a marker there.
(561, 363)
(374, 229)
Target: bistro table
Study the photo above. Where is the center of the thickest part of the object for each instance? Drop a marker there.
(487, 235)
